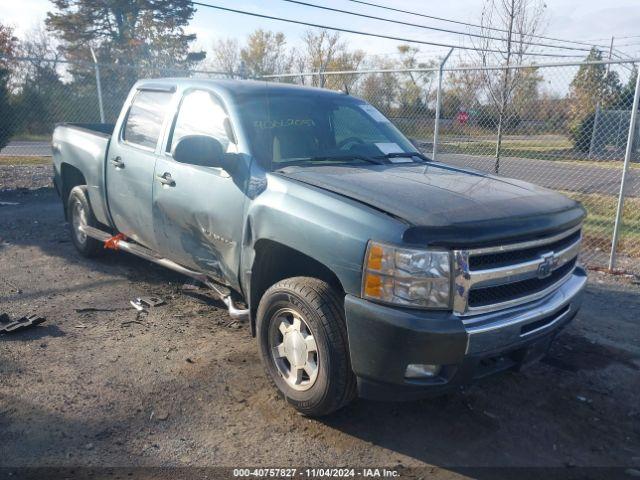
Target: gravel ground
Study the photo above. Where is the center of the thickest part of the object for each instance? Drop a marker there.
(183, 385)
(14, 177)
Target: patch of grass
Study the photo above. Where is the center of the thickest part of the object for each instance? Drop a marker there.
(25, 160)
(535, 149)
(31, 137)
(598, 228)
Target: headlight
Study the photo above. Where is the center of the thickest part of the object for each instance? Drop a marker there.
(407, 276)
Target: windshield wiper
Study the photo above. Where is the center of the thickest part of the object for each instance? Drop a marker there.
(347, 157)
(338, 158)
(405, 155)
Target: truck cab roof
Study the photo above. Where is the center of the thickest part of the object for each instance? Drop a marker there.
(234, 88)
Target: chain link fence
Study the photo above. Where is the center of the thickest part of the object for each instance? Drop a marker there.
(44, 92)
(561, 126)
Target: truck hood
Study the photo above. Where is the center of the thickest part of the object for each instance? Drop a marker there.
(447, 205)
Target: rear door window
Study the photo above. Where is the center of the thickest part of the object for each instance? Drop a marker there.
(145, 119)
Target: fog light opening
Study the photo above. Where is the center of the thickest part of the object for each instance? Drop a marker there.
(419, 370)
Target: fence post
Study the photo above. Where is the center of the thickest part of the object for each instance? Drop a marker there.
(436, 126)
(596, 118)
(625, 169)
(98, 85)
(320, 75)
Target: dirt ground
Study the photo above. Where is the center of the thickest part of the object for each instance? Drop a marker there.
(183, 385)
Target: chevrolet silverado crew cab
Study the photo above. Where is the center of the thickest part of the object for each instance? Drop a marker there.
(363, 267)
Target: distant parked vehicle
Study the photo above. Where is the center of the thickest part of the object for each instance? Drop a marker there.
(362, 266)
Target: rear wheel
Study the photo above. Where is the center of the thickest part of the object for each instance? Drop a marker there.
(80, 214)
(303, 344)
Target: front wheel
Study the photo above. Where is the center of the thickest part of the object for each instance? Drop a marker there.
(303, 344)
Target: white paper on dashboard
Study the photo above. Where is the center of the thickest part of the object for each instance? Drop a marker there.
(387, 148)
(374, 113)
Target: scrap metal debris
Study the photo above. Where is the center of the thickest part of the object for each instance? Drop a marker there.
(137, 304)
(9, 326)
(191, 286)
(142, 303)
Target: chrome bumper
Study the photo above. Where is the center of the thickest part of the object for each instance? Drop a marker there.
(498, 330)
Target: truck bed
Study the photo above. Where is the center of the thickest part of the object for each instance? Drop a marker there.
(81, 149)
(102, 129)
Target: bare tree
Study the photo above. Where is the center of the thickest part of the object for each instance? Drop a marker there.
(415, 88)
(518, 20)
(324, 51)
(225, 56)
(463, 92)
(43, 55)
(266, 53)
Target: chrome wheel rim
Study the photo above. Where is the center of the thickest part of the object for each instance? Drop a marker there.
(293, 349)
(79, 219)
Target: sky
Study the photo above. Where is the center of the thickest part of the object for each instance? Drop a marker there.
(570, 19)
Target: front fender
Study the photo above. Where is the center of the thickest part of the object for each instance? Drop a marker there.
(329, 228)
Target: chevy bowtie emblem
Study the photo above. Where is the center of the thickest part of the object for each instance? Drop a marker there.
(549, 262)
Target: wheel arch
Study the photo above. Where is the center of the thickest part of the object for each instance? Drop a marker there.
(70, 177)
(275, 261)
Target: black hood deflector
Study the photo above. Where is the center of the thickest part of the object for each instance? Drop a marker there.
(448, 206)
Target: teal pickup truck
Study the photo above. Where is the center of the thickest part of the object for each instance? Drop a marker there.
(363, 267)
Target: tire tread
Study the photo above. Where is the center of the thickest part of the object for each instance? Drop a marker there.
(328, 305)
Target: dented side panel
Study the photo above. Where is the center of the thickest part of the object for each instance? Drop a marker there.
(198, 221)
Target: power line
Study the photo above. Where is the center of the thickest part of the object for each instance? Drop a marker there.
(442, 19)
(618, 38)
(456, 32)
(368, 34)
(632, 44)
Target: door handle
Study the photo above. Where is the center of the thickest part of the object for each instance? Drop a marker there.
(166, 179)
(117, 162)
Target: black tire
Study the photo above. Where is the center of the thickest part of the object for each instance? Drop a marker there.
(79, 212)
(321, 308)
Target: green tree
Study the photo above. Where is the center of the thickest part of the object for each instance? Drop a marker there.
(131, 32)
(625, 98)
(147, 33)
(593, 86)
(8, 46)
(41, 99)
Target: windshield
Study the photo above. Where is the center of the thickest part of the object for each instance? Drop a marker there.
(292, 129)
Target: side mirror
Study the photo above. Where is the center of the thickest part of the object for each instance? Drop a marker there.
(201, 150)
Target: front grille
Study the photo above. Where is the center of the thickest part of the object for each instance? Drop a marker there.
(494, 278)
(500, 259)
(480, 297)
